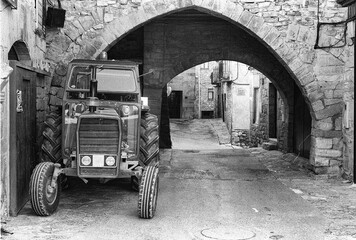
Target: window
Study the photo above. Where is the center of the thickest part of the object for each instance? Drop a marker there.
(40, 7)
(210, 94)
(109, 80)
(207, 114)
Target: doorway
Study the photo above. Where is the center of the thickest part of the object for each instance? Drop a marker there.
(272, 108)
(22, 133)
(302, 126)
(175, 104)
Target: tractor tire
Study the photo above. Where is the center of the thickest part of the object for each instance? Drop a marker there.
(52, 139)
(148, 192)
(149, 140)
(44, 199)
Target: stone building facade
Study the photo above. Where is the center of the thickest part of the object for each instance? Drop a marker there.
(22, 48)
(197, 95)
(182, 97)
(207, 103)
(237, 84)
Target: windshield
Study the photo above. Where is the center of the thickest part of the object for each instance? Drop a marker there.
(109, 79)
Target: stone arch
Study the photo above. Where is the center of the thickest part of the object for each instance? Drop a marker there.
(92, 44)
(87, 35)
(19, 52)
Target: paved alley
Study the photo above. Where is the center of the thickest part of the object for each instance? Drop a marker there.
(207, 191)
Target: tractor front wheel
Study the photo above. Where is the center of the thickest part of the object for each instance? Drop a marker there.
(147, 198)
(44, 198)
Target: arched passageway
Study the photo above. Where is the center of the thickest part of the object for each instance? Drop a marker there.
(172, 44)
(179, 41)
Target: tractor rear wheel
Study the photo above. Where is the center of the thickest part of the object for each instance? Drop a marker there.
(43, 197)
(52, 138)
(148, 192)
(149, 139)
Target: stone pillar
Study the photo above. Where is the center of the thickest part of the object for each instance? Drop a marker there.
(155, 87)
(154, 100)
(157, 100)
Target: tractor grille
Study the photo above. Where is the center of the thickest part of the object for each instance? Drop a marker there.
(98, 136)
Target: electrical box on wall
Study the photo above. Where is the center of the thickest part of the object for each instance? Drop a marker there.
(55, 16)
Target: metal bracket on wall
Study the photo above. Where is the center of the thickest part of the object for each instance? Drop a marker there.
(338, 44)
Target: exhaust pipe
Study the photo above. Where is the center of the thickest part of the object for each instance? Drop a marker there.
(93, 94)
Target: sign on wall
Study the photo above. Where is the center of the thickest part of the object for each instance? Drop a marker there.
(241, 92)
(13, 3)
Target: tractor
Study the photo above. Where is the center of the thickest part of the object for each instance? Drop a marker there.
(103, 131)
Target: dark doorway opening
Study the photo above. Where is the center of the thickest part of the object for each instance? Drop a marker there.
(207, 114)
(272, 92)
(175, 104)
(302, 125)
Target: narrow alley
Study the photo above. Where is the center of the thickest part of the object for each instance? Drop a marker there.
(207, 191)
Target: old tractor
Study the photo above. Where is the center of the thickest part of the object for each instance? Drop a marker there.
(104, 131)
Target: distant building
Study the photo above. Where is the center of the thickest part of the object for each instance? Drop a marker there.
(192, 94)
(244, 98)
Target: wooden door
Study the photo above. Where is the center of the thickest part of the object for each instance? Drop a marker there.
(22, 133)
(174, 103)
(302, 126)
(272, 113)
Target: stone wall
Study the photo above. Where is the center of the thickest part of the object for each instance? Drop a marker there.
(241, 138)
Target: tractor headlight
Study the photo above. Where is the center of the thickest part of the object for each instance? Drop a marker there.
(110, 161)
(86, 160)
(126, 110)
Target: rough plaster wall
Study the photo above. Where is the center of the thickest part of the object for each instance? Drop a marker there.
(229, 105)
(241, 85)
(241, 109)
